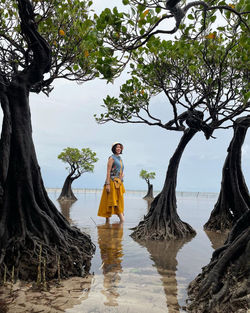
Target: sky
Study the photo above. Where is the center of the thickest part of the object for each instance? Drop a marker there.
(66, 119)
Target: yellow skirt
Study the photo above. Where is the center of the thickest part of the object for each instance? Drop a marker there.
(111, 202)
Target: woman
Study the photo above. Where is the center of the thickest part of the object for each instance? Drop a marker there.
(112, 201)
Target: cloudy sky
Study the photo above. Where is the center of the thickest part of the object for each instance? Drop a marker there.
(65, 119)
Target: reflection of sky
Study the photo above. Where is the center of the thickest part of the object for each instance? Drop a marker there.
(138, 265)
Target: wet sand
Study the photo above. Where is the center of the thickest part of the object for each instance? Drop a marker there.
(126, 276)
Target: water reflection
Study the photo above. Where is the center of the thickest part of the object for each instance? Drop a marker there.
(149, 201)
(163, 254)
(217, 239)
(110, 245)
(65, 206)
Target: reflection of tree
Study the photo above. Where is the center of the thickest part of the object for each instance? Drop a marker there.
(164, 253)
(149, 201)
(65, 206)
(110, 244)
(217, 239)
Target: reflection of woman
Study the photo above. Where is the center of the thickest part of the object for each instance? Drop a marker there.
(112, 201)
(110, 244)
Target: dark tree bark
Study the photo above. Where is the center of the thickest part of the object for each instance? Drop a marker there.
(149, 194)
(234, 198)
(67, 193)
(31, 228)
(223, 285)
(162, 220)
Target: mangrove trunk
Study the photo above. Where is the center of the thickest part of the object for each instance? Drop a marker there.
(234, 198)
(149, 194)
(67, 193)
(162, 220)
(32, 231)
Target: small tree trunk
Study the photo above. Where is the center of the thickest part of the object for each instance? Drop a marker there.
(223, 285)
(149, 194)
(67, 193)
(162, 220)
(234, 197)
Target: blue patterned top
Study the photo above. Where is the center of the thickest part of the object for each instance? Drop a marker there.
(116, 166)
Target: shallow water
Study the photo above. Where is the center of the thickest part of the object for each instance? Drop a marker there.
(136, 277)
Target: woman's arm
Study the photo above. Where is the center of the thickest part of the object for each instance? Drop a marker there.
(122, 167)
(109, 166)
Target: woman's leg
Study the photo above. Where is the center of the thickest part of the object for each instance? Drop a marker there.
(121, 217)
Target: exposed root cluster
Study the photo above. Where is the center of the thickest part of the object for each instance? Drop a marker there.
(219, 223)
(26, 259)
(154, 228)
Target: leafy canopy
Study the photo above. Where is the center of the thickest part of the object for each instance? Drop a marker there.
(78, 53)
(209, 74)
(147, 175)
(80, 161)
(142, 19)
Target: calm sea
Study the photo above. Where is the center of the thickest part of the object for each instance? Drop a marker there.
(128, 276)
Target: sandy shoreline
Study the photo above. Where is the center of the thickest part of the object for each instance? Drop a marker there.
(24, 297)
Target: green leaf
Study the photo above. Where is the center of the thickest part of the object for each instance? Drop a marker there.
(158, 10)
(213, 18)
(190, 16)
(247, 96)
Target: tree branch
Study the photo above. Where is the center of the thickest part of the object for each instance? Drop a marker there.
(41, 62)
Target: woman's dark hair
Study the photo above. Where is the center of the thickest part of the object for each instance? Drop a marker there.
(114, 147)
